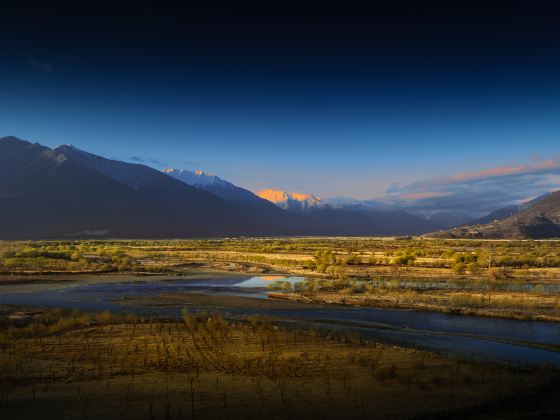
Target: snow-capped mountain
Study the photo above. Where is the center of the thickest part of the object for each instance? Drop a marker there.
(305, 202)
(291, 200)
(198, 178)
(216, 185)
(348, 216)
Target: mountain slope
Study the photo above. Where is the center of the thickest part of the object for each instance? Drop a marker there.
(233, 210)
(540, 221)
(181, 204)
(142, 179)
(506, 212)
(44, 194)
(61, 193)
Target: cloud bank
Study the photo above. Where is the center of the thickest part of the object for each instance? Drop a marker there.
(479, 192)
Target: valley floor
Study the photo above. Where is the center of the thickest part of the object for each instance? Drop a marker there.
(514, 279)
(74, 365)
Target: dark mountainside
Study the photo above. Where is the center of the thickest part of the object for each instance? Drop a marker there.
(540, 221)
(46, 194)
(255, 216)
(506, 212)
(43, 194)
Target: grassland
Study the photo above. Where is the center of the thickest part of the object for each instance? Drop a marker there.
(57, 364)
(516, 279)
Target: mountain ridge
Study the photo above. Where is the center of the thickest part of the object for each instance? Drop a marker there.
(46, 193)
(505, 212)
(218, 186)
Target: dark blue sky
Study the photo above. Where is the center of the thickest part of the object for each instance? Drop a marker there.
(337, 101)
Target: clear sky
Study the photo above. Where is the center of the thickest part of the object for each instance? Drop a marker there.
(431, 105)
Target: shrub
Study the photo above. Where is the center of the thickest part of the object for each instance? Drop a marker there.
(287, 286)
(352, 260)
(459, 268)
(473, 268)
(499, 273)
(405, 259)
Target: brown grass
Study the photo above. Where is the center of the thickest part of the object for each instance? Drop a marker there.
(206, 367)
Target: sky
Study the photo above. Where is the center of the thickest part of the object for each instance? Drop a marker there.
(429, 105)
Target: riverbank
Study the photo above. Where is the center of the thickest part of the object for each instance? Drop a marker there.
(43, 282)
(499, 305)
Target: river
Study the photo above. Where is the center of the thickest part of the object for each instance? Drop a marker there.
(464, 336)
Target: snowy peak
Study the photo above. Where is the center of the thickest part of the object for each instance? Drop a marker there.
(290, 200)
(218, 186)
(276, 196)
(198, 178)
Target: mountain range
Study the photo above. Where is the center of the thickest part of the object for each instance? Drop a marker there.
(66, 192)
(368, 217)
(69, 193)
